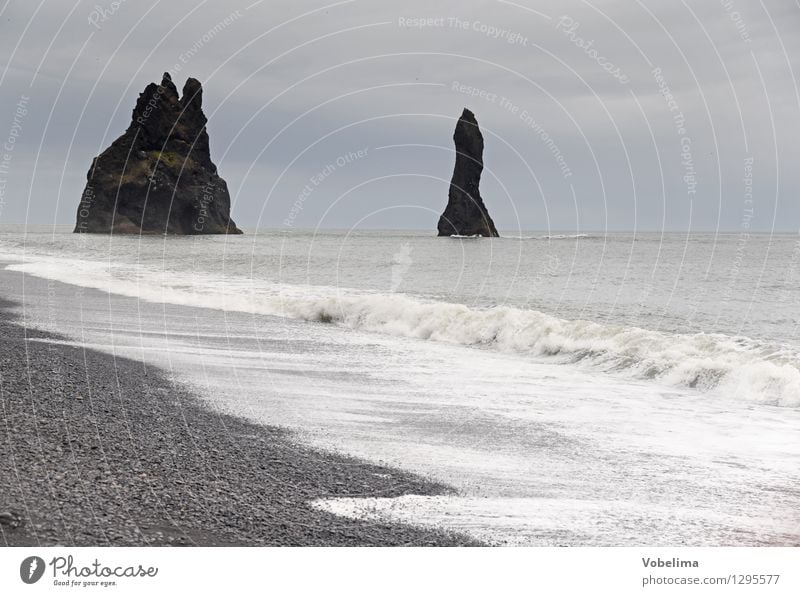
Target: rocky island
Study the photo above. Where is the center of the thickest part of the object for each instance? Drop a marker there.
(465, 214)
(158, 177)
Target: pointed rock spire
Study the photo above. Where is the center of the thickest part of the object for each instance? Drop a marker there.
(465, 214)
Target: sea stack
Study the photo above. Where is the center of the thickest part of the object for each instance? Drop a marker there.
(158, 177)
(465, 214)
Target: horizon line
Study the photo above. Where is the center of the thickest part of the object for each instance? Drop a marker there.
(501, 230)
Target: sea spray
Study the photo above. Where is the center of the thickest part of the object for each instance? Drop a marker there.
(735, 367)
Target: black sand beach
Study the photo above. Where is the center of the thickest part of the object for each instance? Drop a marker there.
(99, 451)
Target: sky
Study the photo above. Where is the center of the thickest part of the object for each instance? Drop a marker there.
(606, 115)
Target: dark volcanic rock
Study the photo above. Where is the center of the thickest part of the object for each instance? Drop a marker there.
(465, 214)
(158, 177)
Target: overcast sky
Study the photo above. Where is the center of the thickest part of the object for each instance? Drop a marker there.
(578, 136)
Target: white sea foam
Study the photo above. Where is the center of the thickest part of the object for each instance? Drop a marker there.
(550, 237)
(535, 521)
(737, 367)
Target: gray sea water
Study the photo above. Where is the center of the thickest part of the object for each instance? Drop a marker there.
(574, 388)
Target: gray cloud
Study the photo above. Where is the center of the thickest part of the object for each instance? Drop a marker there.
(291, 87)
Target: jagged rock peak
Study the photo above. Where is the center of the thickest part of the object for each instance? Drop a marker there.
(158, 176)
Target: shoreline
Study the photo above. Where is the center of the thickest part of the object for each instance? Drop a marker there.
(616, 463)
(98, 450)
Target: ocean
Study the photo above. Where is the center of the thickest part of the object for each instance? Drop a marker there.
(574, 389)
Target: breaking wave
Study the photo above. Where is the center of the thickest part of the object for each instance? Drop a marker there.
(737, 367)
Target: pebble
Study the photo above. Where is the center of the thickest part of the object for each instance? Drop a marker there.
(154, 437)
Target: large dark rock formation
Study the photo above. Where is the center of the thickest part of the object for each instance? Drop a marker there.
(158, 177)
(465, 214)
